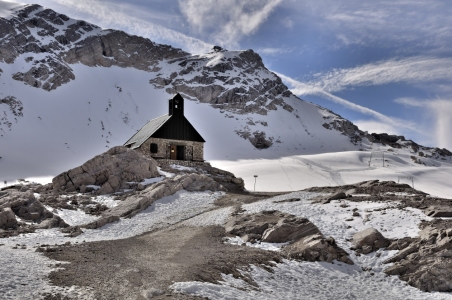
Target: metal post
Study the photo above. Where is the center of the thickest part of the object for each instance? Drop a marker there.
(255, 178)
(370, 158)
(383, 159)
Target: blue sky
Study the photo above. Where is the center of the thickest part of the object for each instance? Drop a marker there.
(384, 65)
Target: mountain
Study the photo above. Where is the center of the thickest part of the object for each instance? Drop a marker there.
(70, 90)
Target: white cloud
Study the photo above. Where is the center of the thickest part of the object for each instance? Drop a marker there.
(409, 70)
(409, 102)
(439, 112)
(274, 51)
(227, 21)
(300, 89)
(287, 22)
(397, 23)
(372, 126)
(108, 15)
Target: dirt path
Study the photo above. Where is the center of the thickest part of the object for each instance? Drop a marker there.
(130, 268)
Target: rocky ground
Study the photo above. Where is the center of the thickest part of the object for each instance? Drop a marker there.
(145, 266)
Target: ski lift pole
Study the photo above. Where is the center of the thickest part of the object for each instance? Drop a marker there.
(255, 178)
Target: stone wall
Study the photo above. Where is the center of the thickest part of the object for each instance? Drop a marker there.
(193, 150)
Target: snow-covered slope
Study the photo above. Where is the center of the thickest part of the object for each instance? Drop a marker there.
(70, 90)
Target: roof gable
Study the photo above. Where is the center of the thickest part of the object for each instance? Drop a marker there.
(146, 131)
(178, 128)
(173, 126)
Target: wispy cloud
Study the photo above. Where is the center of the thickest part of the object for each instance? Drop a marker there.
(408, 70)
(377, 126)
(274, 51)
(288, 22)
(398, 23)
(439, 112)
(109, 15)
(227, 22)
(301, 89)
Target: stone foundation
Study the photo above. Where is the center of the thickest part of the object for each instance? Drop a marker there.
(194, 151)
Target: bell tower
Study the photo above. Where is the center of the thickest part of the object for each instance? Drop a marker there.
(176, 105)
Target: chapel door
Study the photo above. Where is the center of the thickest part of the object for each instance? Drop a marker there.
(173, 153)
(180, 152)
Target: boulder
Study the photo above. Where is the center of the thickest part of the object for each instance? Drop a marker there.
(289, 229)
(369, 240)
(316, 248)
(439, 211)
(25, 206)
(255, 224)
(306, 240)
(110, 170)
(425, 262)
(337, 196)
(7, 218)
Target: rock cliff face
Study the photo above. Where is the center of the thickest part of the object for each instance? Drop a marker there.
(49, 42)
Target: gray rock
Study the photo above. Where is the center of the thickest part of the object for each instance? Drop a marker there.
(7, 218)
(337, 196)
(438, 211)
(289, 229)
(25, 206)
(110, 170)
(308, 243)
(316, 248)
(370, 237)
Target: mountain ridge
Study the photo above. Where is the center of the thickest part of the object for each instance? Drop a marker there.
(48, 51)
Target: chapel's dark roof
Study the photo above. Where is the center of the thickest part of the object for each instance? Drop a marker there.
(146, 131)
(173, 126)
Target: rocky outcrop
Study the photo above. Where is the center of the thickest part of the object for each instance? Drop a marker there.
(425, 262)
(317, 248)
(81, 42)
(7, 218)
(117, 48)
(369, 240)
(270, 226)
(24, 205)
(306, 240)
(344, 126)
(140, 201)
(439, 211)
(328, 199)
(12, 109)
(110, 170)
(48, 74)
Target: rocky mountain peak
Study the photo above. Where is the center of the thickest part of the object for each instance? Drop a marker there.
(49, 42)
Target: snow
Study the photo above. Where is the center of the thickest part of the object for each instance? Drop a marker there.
(290, 279)
(27, 268)
(73, 217)
(305, 280)
(6, 8)
(106, 200)
(298, 172)
(182, 168)
(261, 245)
(318, 280)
